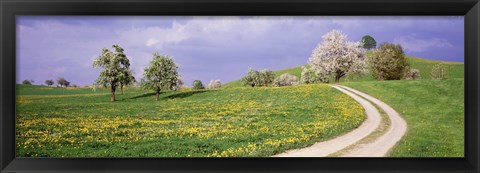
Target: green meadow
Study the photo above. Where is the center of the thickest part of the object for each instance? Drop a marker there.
(433, 108)
(236, 121)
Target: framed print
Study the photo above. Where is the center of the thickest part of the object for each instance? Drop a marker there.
(239, 86)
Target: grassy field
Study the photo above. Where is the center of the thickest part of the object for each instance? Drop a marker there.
(57, 122)
(455, 70)
(434, 110)
(235, 121)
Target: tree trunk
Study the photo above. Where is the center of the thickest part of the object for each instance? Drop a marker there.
(121, 89)
(157, 94)
(113, 93)
(339, 75)
(113, 96)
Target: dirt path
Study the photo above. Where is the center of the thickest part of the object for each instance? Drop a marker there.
(378, 147)
(382, 145)
(325, 148)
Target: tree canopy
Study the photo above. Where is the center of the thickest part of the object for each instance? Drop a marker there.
(116, 69)
(338, 56)
(197, 84)
(388, 62)
(256, 78)
(63, 82)
(161, 74)
(368, 42)
(27, 82)
(49, 82)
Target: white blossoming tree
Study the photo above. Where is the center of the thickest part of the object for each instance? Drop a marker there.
(256, 78)
(285, 79)
(214, 84)
(338, 56)
(312, 76)
(116, 70)
(160, 75)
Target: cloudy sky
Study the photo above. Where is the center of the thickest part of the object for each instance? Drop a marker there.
(208, 48)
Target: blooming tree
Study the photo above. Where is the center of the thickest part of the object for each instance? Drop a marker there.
(439, 71)
(256, 78)
(214, 84)
(412, 74)
(115, 69)
(311, 76)
(161, 74)
(285, 80)
(338, 56)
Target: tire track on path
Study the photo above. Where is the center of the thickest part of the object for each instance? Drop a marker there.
(325, 148)
(383, 144)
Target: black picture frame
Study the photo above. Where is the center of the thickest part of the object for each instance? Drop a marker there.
(470, 9)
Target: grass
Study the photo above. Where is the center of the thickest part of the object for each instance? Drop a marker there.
(57, 122)
(42, 90)
(433, 109)
(236, 121)
(456, 70)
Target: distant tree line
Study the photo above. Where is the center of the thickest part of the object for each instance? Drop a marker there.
(337, 57)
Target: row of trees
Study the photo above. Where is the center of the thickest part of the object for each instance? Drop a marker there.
(261, 78)
(213, 84)
(60, 81)
(339, 57)
(161, 74)
(336, 57)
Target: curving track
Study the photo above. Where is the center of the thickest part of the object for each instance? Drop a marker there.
(378, 147)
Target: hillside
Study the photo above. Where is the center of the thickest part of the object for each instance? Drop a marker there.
(456, 70)
(434, 110)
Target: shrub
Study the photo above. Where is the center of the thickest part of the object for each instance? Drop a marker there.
(49, 82)
(27, 82)
(311, 76)
(266, 77)
(439, 71)
(285, 80)
(214, 84)
(197, 84)
(412, 74)
(388, 62)
(258, 78)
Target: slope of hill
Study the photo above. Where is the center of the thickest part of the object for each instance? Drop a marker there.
(456, 70)
(434, 110)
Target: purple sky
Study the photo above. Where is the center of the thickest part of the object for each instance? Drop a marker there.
(208, 48)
